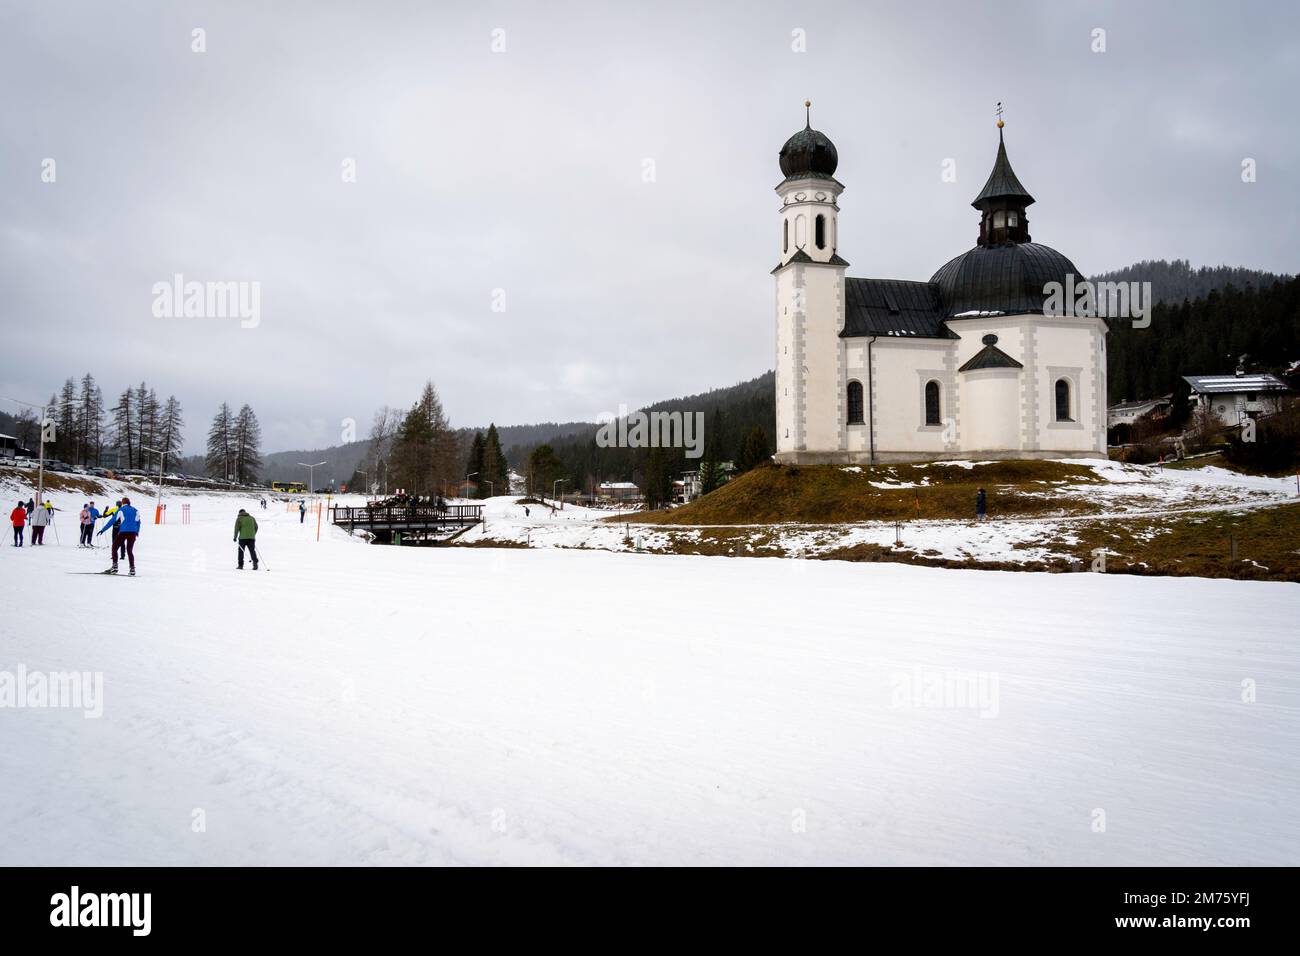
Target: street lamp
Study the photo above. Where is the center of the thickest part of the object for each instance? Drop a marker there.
(467, 478)
(555, 485)
(45, 414)
(311, 471)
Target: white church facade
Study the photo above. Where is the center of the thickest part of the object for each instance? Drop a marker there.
(965, 365)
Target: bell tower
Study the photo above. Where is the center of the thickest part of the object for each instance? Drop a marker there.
(809, 296)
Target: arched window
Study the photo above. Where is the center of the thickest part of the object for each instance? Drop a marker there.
(998, 219)
(932, 403)
(855, 403)
(786, 238)
(821, 232)
(1063, 401)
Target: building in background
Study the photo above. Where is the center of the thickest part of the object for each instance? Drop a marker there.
(968, 363)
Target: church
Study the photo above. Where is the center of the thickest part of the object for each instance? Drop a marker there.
(966, 365)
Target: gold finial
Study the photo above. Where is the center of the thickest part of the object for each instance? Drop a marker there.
(999, 112)
(807, 105)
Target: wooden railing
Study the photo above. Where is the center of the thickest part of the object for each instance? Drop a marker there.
(404, 516)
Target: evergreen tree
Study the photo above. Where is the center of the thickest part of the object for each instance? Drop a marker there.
(754, 450)
(474, 464)
(425, 459)
(247, 444)
(65, 444)
(172, 429)
(544, 469)
(145, 403)
(123, 431)
(495, 468)
(221, 452)
(90, 422)
(658, 481)
(711, 475)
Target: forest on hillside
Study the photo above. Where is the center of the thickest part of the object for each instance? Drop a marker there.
(1205, 336)
(1177, 280)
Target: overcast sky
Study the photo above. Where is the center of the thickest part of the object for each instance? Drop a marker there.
(524, 171)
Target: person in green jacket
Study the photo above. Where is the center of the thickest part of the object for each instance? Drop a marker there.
(245, 533)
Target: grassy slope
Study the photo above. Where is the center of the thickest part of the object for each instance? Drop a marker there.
(829, 493)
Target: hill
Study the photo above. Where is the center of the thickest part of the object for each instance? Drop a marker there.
(834, 493)
(1205, 336)
(1177, 280)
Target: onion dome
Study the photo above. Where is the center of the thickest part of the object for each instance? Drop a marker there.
(809, 152)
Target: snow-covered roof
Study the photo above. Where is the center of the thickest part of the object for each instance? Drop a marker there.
(618, 485)
(1223, 384)
(1140, 403)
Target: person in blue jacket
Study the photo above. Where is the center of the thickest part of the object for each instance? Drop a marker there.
(127, 519)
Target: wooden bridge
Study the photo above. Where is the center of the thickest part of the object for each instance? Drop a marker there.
(411, 522)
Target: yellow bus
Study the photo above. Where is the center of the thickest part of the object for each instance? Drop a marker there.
(291, 486)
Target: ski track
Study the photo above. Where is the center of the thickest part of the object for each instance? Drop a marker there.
(368, 705)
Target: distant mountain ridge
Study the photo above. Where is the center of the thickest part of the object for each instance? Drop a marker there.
(1175, 281)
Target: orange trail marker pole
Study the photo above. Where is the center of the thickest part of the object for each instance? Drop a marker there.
(318, 513)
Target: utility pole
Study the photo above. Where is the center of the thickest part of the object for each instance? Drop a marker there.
(45, 425)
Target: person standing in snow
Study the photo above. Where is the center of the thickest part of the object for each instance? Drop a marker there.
(41, 519)
(89, 515)
(18, 518)
(128, 528)
(245, 534)
(981, 513)
(302, 511)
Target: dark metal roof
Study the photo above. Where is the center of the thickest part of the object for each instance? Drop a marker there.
(989, 357)
(1003, 183)
(1005, 279)
(801, 256)
(893, 307)
(809, 152)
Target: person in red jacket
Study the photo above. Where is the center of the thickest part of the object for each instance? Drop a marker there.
(19, 519)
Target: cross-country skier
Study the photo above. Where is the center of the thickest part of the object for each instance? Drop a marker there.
(41, 519)
(981, 507)
(114, 524)
(245, 533)
(89, 515)
(18, 518)
(302, 511)
(128, 527)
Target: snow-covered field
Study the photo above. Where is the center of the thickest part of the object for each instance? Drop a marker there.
(361, 704)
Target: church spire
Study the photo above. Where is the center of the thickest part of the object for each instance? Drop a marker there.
(1003, 200)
